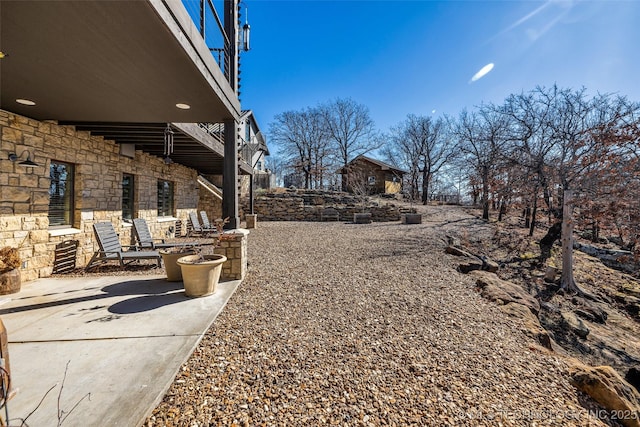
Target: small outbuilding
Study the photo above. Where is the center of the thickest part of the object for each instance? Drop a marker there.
(373, 176)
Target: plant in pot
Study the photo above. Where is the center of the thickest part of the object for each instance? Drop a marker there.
(170, 258)
(10, 263)
(200, 273)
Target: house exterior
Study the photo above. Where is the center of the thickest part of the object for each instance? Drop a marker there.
(366, 175)
(111, 102)
(254, 151)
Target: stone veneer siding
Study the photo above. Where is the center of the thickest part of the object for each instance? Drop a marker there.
(234, 247)
(307, 205)
(24, 198)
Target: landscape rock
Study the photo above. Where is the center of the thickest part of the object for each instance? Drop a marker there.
(550, 274)
(476, 263)
(576, 325)
(530, 322)
(633, 377)
(469, 266)
(609, 389)
(453, 250)
(495, 289)
(490, 265)
(590, 311)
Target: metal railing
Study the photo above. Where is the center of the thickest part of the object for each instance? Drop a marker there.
(204, 14)
(246, 150)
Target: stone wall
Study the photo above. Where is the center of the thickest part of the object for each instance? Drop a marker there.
(24, 192)
(307, 205)
(234, 247)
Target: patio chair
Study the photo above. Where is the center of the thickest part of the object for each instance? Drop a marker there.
(146, 241)
(206, 224)
(112, 250)
(195, 229)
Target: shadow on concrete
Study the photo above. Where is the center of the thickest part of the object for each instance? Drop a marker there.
(146, 303)
(155, 293)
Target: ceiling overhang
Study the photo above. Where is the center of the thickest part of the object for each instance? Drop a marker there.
(116, 69)
(125, 61)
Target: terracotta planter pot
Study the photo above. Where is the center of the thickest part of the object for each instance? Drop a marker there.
(10, 282)
(170, 262)
(201, 277)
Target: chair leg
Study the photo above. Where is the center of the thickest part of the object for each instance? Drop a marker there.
(91, 261)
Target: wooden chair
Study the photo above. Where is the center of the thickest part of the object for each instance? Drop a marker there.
(146, 241)
(112, 250)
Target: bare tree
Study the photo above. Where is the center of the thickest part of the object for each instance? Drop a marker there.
(276, 164)
(481, 137)
(303, 139)
(586, 133)
(350, 128)
(421, 145)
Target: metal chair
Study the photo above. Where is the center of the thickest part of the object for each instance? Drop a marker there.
(145, 239)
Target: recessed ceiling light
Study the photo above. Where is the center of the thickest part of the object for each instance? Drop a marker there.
(25, 101)
(183, 106)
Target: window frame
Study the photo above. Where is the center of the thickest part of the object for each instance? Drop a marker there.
(165, 205)
(131, 199)
(68, 199)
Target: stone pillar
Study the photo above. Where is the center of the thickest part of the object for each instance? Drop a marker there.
(234, 247)
(252, 220)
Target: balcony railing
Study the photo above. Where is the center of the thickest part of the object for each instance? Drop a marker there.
(207, 17)
(246, 150)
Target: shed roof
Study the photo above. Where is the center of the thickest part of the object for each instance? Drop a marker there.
(382, 165)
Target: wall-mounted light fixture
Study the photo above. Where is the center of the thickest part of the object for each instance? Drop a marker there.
(26, 163)
(246, 32)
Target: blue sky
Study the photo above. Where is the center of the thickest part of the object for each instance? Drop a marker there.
(401, 57)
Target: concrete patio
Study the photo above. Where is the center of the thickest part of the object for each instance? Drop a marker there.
(121, 340)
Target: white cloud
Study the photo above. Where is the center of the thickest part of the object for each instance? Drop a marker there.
(483, 72)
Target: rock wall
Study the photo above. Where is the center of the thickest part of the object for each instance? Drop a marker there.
(99, 167)
(307, 205)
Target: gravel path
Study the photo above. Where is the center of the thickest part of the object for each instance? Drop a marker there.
(346, 324)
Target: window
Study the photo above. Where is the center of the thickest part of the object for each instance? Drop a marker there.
(372, 180)
(127, 197)
(61, 194)
(165, 198)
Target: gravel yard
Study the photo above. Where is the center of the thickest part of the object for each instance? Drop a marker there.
(351, 325)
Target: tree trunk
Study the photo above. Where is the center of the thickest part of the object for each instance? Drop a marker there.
(345, 176)
(426, 177)
(527, 217)
(485, 196)
(546, 243)
(503, 210)
(567, 282)
(534, 211)
(548, 201)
